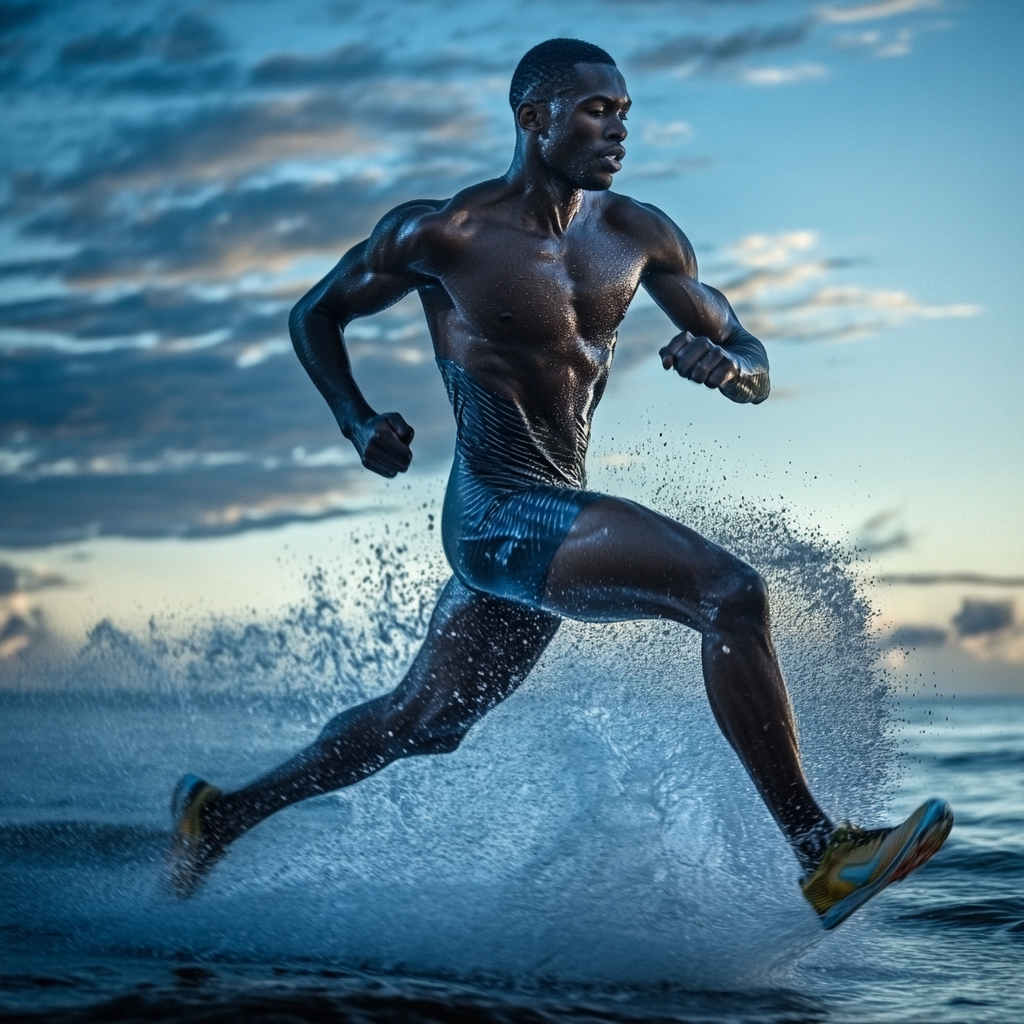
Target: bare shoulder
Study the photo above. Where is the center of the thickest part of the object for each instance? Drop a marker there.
(400, 233)
(668, 249)
(421, 231)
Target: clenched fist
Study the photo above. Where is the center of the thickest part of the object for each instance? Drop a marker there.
(383, 443)
(699, 359)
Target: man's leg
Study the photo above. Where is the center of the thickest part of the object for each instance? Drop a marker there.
(623, 561)
(478, 649)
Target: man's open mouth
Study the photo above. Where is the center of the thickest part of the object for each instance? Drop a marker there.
(613, 160)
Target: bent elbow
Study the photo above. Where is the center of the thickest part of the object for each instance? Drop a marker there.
(297, 319)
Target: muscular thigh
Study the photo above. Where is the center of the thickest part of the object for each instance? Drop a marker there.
(623, 561)
(478, 649)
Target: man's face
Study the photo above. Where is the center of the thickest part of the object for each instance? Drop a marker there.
(583, 140)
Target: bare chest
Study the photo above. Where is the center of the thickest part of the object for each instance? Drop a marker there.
(508, 282)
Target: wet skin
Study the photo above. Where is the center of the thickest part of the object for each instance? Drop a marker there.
(524, 281)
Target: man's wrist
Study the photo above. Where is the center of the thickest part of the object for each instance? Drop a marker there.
(350, 420)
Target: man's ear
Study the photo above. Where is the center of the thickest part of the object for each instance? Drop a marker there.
(532, 117)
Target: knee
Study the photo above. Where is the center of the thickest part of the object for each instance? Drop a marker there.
(744, 599)
(410, 735)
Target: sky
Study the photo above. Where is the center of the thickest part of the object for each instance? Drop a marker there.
(176, 175)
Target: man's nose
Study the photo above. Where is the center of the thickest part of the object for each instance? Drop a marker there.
(616, 130)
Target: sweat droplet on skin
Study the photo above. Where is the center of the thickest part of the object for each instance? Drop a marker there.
(725, 648)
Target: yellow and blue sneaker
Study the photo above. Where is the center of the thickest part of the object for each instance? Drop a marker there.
(191, 854)
(859, 863)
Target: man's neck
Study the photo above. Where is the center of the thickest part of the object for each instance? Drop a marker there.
(547, 203)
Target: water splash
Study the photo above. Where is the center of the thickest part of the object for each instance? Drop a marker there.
(595, 829)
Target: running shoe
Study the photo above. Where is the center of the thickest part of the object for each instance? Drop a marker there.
(860, 863)
(191, 855)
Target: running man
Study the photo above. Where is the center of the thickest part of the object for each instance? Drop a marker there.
(524, 281)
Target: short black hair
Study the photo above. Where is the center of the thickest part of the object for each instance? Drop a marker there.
(549, 67)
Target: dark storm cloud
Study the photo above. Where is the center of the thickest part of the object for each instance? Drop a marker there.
(714, 50)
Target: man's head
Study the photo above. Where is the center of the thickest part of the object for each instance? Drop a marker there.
(570, 97)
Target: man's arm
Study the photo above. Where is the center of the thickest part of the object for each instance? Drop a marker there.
(713, 348)
(370, 277)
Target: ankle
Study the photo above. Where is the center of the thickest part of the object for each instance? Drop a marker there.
(216, 821)
(809, 846)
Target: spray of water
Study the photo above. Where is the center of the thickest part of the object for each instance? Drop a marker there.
(595, 829)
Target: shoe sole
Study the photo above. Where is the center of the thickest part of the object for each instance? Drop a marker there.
(922, 844)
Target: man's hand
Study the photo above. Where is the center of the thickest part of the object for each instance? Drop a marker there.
(383, 443)
(699, 359)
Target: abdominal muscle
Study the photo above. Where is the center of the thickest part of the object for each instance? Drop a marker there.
(555, 381)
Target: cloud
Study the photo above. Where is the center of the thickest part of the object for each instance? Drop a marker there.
(223, 143)
(874, 11)
(107, 47)
(150, 387)
(699, 52)
(772, 284)
(976, 617)
(158, 80)
(14, 16)
(883, 532)
(942, 579)
(915, 636)
(190, 38)
(350, 61)
(154, 390)
(882, 45)
(246, 189)
(21, 621)
(167, 441)
(670, 133)
(773, 76)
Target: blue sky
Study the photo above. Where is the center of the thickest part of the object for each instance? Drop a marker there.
(176, 175)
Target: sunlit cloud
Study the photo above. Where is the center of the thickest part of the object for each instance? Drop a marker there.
(874, 11)
(670, 133)
(879, 43)
(982, 629)
(778, 292)
(772, 76)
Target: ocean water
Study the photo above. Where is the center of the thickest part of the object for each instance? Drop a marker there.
(593, 851)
